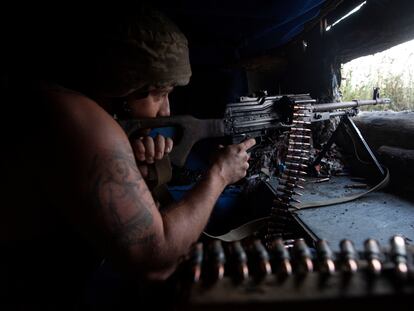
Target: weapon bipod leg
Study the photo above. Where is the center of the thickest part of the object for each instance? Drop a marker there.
(345, 124)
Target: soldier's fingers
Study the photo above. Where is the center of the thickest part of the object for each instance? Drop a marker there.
(149, 149)
(247, 144)
(168, 145)
(159, 143)
(139, 149)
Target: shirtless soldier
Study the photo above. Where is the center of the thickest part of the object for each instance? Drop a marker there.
(78, 172)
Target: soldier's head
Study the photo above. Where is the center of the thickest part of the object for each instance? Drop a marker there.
(139, 51)
(128, 54)
(143, 57)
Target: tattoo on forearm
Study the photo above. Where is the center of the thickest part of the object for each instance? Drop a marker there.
(117, 183)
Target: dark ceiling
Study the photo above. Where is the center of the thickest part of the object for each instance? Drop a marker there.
(223, 31)
(227, 32)
(220, 30)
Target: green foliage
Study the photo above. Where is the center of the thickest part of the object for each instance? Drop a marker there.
(399, 87)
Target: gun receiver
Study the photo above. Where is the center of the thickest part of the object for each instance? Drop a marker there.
(251, 117)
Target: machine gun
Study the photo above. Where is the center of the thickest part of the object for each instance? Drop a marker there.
(280, 125)
(252, 117)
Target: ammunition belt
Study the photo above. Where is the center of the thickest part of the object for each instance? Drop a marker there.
(292, 171)
(248, 270)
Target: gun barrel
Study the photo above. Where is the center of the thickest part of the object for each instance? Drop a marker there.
(352, 104)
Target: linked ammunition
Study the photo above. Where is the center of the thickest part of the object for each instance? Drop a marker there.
(288, 198)
(298, 143)
(301, 115)
(292, 178)
(300, 129)
(294, 136)
(298, 158)
(301, 122)
(281, 258)
(295, 150)
(349, 256)
(373, 256)
(302, 257)
(398, 255)
(299, 165)
(196, 260)
(291, 192)
(325, 257)
(239, 257)
(217, 259)
(261, 259)
(298, 108)
(294, 172)
(287, 185)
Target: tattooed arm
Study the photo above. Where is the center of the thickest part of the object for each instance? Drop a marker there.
(117, 183)
(114, 200)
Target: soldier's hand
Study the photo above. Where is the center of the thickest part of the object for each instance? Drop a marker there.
(147, 150)
(232, 161)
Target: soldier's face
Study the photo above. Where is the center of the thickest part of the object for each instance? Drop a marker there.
(155, 104)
